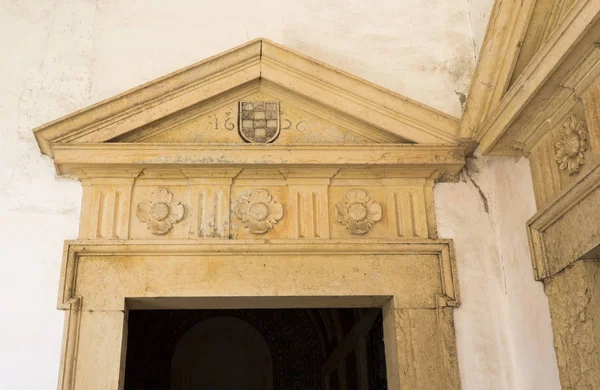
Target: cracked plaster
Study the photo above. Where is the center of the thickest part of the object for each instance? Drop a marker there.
(504, 338)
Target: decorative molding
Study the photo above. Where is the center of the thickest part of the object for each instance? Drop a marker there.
(564, 66)
(346, 93)
(415, 160)
(258, 211)
(256, 61)
(406, 212)
(545, 17)
(354, 124)
(159, 212)
(308, 201)
(74, 250)
(545, 262)
(570, 149)
(260, 265)
(209, 194)
(499, 51)
(212, 210)
(591, 108)
(358, 212)
(155, 100)
(307, 260)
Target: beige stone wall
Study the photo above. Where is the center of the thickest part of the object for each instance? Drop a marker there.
(72, 53)
(574, 297)
(564, 239)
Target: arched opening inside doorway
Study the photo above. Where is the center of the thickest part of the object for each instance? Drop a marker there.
(222, 353)
(247, 349)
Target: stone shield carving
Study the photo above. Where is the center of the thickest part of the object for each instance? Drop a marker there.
(160, 212)
(570, 149)
(358, 212)
(259, 121)
(258, 211)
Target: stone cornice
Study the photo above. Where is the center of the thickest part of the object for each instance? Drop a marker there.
(545, 17)
(415, 160)
(547, 262)
(255, 61)
(571, 46)
(501, 46)
(347, 93)
(154, 100)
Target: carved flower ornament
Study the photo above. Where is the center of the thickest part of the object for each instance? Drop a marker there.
(160, 212)
(570, 149)
(258, 211)
(358, 212)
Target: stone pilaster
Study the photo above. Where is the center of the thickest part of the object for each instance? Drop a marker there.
(565, 237)
(574, 297)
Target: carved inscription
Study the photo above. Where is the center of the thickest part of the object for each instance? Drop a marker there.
(159, 212)
(226, 122)
(295, 126)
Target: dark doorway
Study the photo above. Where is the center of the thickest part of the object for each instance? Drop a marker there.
(247, 349)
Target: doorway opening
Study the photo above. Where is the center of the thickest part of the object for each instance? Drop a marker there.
(247, 349)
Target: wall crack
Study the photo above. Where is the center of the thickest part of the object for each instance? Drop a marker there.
(467, 174)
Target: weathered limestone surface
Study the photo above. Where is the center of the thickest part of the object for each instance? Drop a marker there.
(80, 52)
(416, 291)
(260, 178)
(566, 172)
(545, 106)
(574, 296)
(426, 338)
(100, 341)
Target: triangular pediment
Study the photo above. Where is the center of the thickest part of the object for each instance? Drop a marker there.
(200, 104)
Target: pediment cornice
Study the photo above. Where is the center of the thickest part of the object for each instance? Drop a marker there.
(566, 65)
(537, 61)
(426, 161)
(271, 65)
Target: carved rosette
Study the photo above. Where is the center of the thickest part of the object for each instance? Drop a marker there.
(358, 212)
(160, 213)
(258, 211)
(570, 149)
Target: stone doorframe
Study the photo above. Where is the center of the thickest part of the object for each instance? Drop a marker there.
(179, 211)
(194, 238)
(413, 282)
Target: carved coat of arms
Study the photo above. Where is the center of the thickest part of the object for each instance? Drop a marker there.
(259, 121)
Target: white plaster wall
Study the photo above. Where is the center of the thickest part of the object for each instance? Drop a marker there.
(503, 324)
(479, 15)
(419, 48)
(37, 212)
(62, 55)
